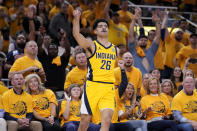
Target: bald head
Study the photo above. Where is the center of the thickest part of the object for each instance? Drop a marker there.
(31, 48)
(128, 59)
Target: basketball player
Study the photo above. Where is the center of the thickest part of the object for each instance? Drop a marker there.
(98, 96)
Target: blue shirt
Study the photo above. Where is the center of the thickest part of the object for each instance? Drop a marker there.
(150, 53)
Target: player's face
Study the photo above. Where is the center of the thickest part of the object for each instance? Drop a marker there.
(188, 84)
(128, 59)
(177, 72)
(76, 92)
(167, 88)
(153, 86)
(129, 91)
(17, 81)
(81, 59)
(156, 73)
(102, 29)
(33, 84)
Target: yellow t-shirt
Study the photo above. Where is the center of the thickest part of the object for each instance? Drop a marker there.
(99, 7)
(75, 76)
(9, 3)
(88, 16)
(101, 63)
(158, 59)
(169, 97)
(172, 46)
(53, 11)
(135, 77)
(117, 102)
(185, 40)
(3, 88)
(82, 5)
(74, 111)
(23, 63)
(42, 101)
(142, 92)
(1, 104)
(159, 104)
(118, 33)
(26, 3)
(125, 18)
(17, 105)
(183, 54)
(186, 104)
(124, 106)
(15, 25)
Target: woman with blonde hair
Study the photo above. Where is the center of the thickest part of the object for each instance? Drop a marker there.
(156, 108)
(167, 88)
(129, 109)
(44, 102)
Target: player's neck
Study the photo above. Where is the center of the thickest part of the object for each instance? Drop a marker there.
(104, 41)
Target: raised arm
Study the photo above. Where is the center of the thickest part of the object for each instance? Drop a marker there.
(82, 41)
(131, 28)
(165, 22)
(106, 10)
(156, 20)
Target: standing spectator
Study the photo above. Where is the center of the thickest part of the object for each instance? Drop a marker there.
(156, 73)
(125, 15)
(60, 21)
(3, 15)
(133, 74)
(183, 25)
(55, 9)
(18, 107)
(3, 124)
(28, 63)
(44, 102)
(118, 32)
(144, 58)
(17, 52)
(184, 106)
(16, 14)
(187, 56)
(54, 64)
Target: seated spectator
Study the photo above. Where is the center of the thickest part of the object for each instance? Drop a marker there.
(70, 111)
(44, 102)
(144, 58)
(184, 106)
(143, 89)
(28, 63)
(129, 111)
(3, 124)
(156, 108)
(18, 107)
(78, 74)
(186, 73)
(177, 78)
(167, 88)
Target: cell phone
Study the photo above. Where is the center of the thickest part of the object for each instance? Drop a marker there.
(193, 60)
(37, 70)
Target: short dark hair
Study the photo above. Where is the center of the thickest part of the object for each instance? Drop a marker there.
(142, 36)
(98, 21)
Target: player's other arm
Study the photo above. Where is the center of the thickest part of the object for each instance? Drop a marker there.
(82, 41)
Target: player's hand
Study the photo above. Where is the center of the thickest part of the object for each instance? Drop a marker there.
(77, 14)
(121, 64)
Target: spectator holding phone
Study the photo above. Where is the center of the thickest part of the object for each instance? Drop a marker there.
(28, 63)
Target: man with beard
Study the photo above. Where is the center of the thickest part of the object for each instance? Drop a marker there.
(144, 58)
(17, 53)
(54, 64)
(133, 74)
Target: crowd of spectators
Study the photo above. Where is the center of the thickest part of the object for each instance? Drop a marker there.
(155, 74)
